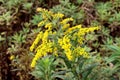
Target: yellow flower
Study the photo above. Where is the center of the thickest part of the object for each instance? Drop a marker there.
(58, 15)
(44, 17)
(50, 13)
(33, 63)
(86, 55)
(65, 44)
(41, 23)
(12, 57)
(64, 21)
(44, 11)
(55, 50)
(72, 28)
(79, 51)
(65, 26)
(80, 39)
(83, 31)
(42, 50)
(83, 53)
(45, 36)
(54, 32)
(46, 14)
(39, 36)
(49, 26)
(39, 9)
(69, 54)
(37, 56)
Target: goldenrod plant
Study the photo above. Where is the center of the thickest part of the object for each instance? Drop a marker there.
(58, 37)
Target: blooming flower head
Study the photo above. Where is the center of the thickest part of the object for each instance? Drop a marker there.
(72, 28)
(64, 21)
(66, 26)
(58, 15)
(39, 36)
(66, 45)
(49, 26)
(42, 50)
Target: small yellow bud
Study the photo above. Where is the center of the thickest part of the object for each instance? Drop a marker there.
(39, 9)
(12, 57)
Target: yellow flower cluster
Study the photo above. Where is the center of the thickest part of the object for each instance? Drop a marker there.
(66, 45)
(41, 23)
(45, 14)
(80, 32)
(48, 16)
(39, 36)
(72, 28)
(64, 21)
(58, 15)
(49, 26)
(59, 37)
(83, 31)
(65, 26)
(45, 36)
(42, 50)
(39, 9)
(79, 51)
(55, 50)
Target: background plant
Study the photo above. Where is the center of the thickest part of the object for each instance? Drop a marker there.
(113, 60)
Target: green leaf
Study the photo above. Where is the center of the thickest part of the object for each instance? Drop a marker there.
(88, 70)
(79, 1)
(59, 74)
(68, 63)
(27, 5)
(2, 1)
(36, 19)
(2, 38)
(115, 49)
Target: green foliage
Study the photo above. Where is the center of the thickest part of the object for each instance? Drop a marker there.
(5, 18)
(80, 69)
(114, 60)
(79, 1)
(1, 38)
(103, 10)
(115, 56)
(13, 3)
(18, 38)
(115, 17)
(70, 10)
(51, 68)
(27, 6)
(45, 68)
(36, 19)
